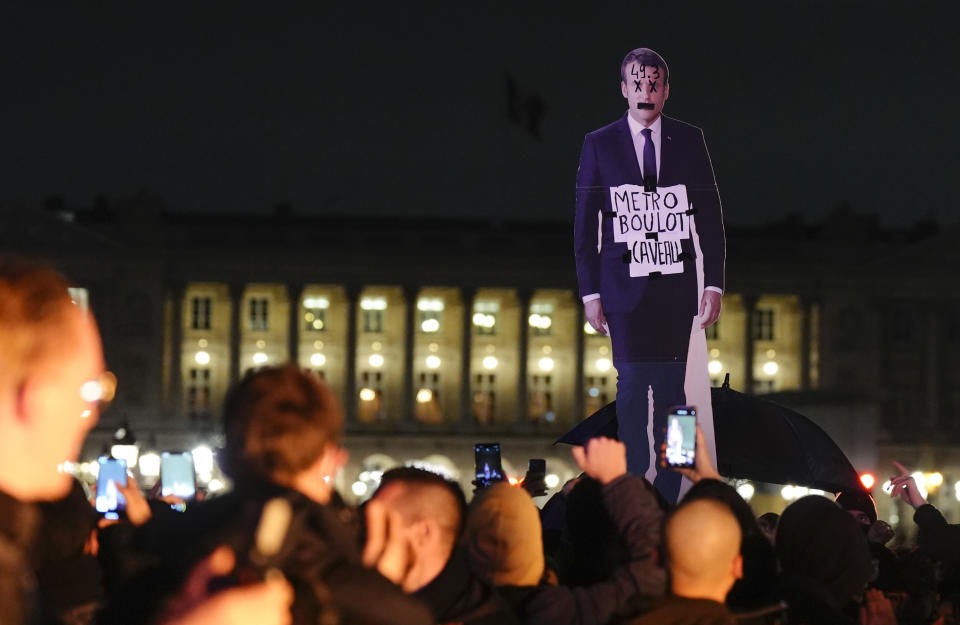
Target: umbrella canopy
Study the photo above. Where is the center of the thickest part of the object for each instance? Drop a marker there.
(756, 440)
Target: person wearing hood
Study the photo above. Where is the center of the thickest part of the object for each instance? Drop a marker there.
(504, 544)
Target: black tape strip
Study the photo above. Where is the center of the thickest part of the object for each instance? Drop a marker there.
(684, 256)
(690, 211)
(626, 258)
(648, 106)
(650, 184)
(655, 275)
(609, 214)
(652, 235)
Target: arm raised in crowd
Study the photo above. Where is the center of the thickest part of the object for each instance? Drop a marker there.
(638, 518)
(937, 537)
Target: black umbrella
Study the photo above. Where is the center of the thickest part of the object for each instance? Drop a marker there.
(756, 440)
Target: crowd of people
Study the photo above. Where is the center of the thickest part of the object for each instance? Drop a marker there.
(283, 547)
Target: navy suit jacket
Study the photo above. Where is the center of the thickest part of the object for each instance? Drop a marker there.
(650, 317)
(608, 159)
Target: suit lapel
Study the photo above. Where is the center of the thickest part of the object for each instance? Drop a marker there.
(629, 151)
(665, 178)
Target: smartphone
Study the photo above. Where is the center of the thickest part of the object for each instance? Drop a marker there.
(110, 501)
(487, 461)
(177, 476)
(535, 481)
(681, 441)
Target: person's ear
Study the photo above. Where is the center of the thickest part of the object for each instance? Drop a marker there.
(666, 92)
(623, 88)
(737, 567)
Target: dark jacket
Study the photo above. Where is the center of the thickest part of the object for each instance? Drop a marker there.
(17, 523)
(673, 610)
(456, 595)
(319, 556)
(638, 518)
(70, 590)
(937, 538)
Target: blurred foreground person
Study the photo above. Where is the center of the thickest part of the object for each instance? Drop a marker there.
(282, 428)
(825, 566)
(703, 556)
(431, 512)
(504, 544)
(52, 383)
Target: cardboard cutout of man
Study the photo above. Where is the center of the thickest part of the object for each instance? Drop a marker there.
(650, 248)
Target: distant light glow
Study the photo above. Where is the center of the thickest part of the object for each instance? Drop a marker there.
(867, 480)
(588, 329)
(367, 394)
(593, 392)
(373, 303)
(714, 367)
(203, 460)
(318, 359)
(149, 464)
(933, 480)
(433, 362)
(541, 322)
(603, 364)
(376, 360)
(316, 302)
(746, 490)
(430, 304)
(424, 396)
(317, 324)
(956, 490)
(202, 358)
(215, 485)
(430, 325)
(770, 367)
(484, 320)
(552, 480)
(359, 488)
(545, 364)
(259, 358)
(490, 363)
(921, 481)
(91, 391)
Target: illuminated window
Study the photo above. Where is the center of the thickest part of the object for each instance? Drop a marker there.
(764, 386)
(763, 324)
(259, 314)
(596, 394)
(541, 318)
(198, 394)
(540, 404)
(200, 313)
(485, 318)
(315, 320)
(484, 398)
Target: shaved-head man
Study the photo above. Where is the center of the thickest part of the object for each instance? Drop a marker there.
(703, 556)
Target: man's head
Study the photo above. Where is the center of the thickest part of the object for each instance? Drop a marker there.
(503, 536)
(645, 83)
(703, 550)
(51, 380)
(860, 505)
(283, 426)
(432, 512)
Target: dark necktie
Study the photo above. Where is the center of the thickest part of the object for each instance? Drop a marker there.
(649, 161)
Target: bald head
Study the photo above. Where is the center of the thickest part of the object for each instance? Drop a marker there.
(703, 547)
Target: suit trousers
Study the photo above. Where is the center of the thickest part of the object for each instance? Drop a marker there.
(642, 437)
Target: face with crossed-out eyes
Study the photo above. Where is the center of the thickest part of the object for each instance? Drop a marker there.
(645, 85)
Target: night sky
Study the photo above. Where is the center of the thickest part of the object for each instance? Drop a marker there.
(458, 110)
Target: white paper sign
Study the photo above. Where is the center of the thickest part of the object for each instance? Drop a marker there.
(652, 224)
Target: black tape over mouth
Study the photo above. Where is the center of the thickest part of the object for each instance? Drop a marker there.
(645, 105)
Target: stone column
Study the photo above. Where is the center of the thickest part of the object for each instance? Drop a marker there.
(523, 303)
(294, 292)
(749, 307)
(805, 335)
(352, 294)
(409, 334)
(467, 297)
(236, 325)
(176, 291)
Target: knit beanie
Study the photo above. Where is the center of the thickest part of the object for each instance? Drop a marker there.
(503, 536)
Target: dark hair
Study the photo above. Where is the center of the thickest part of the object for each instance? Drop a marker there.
(278, 421)
(417, 482)
(858, 500)
(645, 56)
